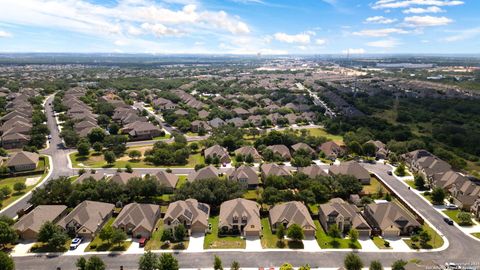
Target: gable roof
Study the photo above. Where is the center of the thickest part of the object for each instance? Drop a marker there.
(281, 150)
(269, 169)
(292, 213)
(123, 177)
(95, 176)
(240, 208)
(190, 210)
(244, 172)
(338, 207)
(350, 168)
(37, 217)
(23, 158)
(167, 179)
(138, 215)
(304, 146)
(88, 214)
(204, 173)
(313, 171)
(389, 214)
(248, 150)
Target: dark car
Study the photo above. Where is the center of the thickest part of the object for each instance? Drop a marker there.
(142, 242)
(448, 221)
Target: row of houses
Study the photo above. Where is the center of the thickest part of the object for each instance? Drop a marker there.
(16, 124)
(80, 113)
(438, 173)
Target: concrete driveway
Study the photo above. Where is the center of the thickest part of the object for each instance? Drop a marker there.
(311, 244)
(134, 247)
(397, 244)
(196, 242)
(22, 248)
(367, 244)
(253, 243)
(80, 250)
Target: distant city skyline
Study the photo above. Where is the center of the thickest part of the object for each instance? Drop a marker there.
(241, 26)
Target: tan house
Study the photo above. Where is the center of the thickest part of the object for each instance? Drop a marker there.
(389, 219)
(303, 146)
(23, 161)
(280, 150)
(192, 214)
(138, 219)
(272, 169)
(332, 150)
(140, 130)
(14, 140)
(168, 180)
(290, 213)
(351, 168)
(29, 225)
(87, 218)
(209, 172)
(122, 178)
(245, 175)
(218, 152)
(249, 150)
(240, 216)
(346, 216)
(89, 175)
(312, 171)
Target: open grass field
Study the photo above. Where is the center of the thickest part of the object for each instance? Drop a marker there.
(214, 241)
(269, 240)
(319, 132)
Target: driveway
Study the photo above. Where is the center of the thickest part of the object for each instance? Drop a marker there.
(80, 250)
(310, 244)
(22, 248)
(134, 247)
(196, 242)
(367, 244)
(253, 243)
(397, 244)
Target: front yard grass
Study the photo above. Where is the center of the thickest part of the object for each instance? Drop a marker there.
(40, 247)
(453, 215)
(373, 187)
(182, 179)
(252, 194)
(214, 241)
(380, 243)
(477, 235)
(435, 242)
(98, 244)
(325, 241)
(155, 242)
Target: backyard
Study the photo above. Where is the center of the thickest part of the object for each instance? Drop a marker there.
(214, 241)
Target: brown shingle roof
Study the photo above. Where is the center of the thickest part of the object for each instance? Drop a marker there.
(37, 217)
(138, 216)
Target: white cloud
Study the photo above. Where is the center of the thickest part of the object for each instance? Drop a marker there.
(464, 35)
(380, 32)
(385, 43)
(302, 38)
(354, 51)
(320, 41)
(419, 10)
(380, 4)
(159, 29)
(379, 20)
(4, 34)
(423, 21)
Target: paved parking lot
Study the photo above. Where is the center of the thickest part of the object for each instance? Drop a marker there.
(196, 242)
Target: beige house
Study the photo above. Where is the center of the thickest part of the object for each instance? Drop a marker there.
(272, 169)
(389, 219)
(217, 151)
(209, 172)
(192, 214)
(23, 161)
(168, 180)
(245, 175)
(303, 146)
(29, 225)
(87, 218)
(332, 150)
(312, 171)
(240, 216)
(138, 219)
(346, 216)
(290, 213)
(89, 175)
(351, 168)
(249, 150)
(122, 178)
(281, 150)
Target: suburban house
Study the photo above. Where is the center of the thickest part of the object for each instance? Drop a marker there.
(346, 216)
(290, 213)
(138, 219)
(249, 150)
(87, 218)
(272, 169)
(475, 209)
(332, 150)
(312, 171)
(163, 104)
(191, 213)
(280, 150)
(381, 151)
(89, 175)
(351, 168)
(245, 175)
(426, 164)
(465, 195)
(303, 146)
(29, 225)
(140, 130)
(23, 161)
(216, 122)
(240, 216)
(218, 152)
(204, 173)
(122, 178)
(198, 125)
(14, 140)
(389, 219)
(448, 179)
(166, 179)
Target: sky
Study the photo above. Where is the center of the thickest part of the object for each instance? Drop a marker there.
(241, 26)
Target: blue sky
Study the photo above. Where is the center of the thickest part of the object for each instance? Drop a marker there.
(241, 26)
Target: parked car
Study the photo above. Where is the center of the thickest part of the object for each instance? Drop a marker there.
(448, 221)
(142, 242)
(75, 243)
(390, 173)
(49, 137)
(452, 206)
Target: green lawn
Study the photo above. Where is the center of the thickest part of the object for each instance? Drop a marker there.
(411, 183)
(252, 194)
(373, 187)
(325, 241)
(435, 242)
(269, 240)
(380, 243)
(477, 235)
(452, 214)
(166, 136)
(155, 242)
(319, 132)
(182, 179)
(214, 241)
(40, 247)
(313, 208)
(98, 245)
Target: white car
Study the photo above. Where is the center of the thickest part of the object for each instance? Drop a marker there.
(452, 207)
(75, 243)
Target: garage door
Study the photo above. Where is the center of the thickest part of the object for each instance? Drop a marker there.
(390, 233)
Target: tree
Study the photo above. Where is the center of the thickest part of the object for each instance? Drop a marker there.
(295, 232)
(180, 232)
(128, 168)
(19, 186)
(109, 157)
(355, 147)
(148, 261)
(464, 218)
(83, 148)
(424, 238)
(369, 149)
(94, 263)
(6, 190)
(375, 265)
(438, 196)
(353, 235)
(280, 232)
(97, 146)
(286, 266)
(235, 266)
(167, 235)
(81, 263)
(353, 262)
(106, 234)
(118, 237)
(53, 235)
(6, 262)
(168, 262)
(134, 154)
(399, 265)
(217, 263)
(400, 170)
(7, 234)
(304, 267)
(419, 182)
(334, 231)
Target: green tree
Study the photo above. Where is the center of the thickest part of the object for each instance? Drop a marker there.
(295, 232)
(419, 182)
(106, 234)
(7, 234)
(6, 191)
(353, 235)
(97, 146)
(19, 186)
(424, 237)
(352, 262)
(304, 267)
(134, 154)
(369, 149)
(180, 232)
(109, 157)
(235, 266)
(399, 265)
(53, 235)
(217, 263)
(118, 237)
(168, 262)
(280, 232)
(375, 265)
(167, 235)
(148, 261)
(81, 263)
(438, 195)
(6, 261)
(128, 168)
(464, 218)
(334, 231)
(355, 148)
(286, 266)
(94, 263)
(400, 170)
(83, 148)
